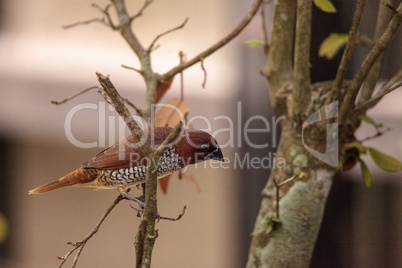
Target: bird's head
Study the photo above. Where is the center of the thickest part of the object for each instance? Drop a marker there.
(196, 146)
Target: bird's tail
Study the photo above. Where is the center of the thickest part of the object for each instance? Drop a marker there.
(78, 176)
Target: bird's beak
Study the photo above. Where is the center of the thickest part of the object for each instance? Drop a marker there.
(215, 155)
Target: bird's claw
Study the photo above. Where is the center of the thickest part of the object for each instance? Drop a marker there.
(140, 210)
(140, 203)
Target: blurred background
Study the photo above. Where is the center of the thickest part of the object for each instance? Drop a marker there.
(41, 62)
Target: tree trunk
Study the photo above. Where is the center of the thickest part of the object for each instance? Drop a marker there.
(290, 243)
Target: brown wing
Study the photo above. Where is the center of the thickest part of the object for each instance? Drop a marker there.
(126, 153)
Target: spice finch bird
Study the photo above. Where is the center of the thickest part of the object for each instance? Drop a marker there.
(124, 165)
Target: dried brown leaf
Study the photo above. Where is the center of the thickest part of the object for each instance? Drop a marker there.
(163, 183)
(170, 114)
(165, 85)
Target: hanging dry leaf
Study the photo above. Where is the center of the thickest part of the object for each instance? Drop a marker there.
(163, 183)
(163, 88)
(171, 113)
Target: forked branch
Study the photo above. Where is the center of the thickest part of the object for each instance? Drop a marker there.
(335, 93)
(380, 45)
(244, 22)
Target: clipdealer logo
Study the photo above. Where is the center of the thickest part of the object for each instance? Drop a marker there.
(331, 154)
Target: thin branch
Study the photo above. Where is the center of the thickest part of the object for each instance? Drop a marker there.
(385, 89)
(264, 30)
(151, 46)
(177, 218)
(118, 103)
(81, 244)
(391, 7)
(205, 73)
(132, 68)
(142, 9)
(378, 134)
(245, 21)
(108, 21)
(383, 18)
(74, 96)
(85, 22)
(335, 93)
(126, 31)
(301, 91)
(364, 41)
(105, 12)
(183, 58)
(381, 44)
(105, 97)
(278, 186)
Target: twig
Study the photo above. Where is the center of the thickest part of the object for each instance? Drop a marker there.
(380, 45)
(74, 96)
(278, 186)
(390, 6)
(383, 18)
(182, 57)
(151, 46)
(177, 218)
(139, 13)
(362, 108)
(205, 73)
(126, 31)
(80, 245)
(139, 213)
(364, 41)
(85, 22)
(264, 28)
(105, 11)
(118, 103)
(335, 93)
(132, 68)
(138, 110)
(379, 133)
(105, 97)
(245, 21)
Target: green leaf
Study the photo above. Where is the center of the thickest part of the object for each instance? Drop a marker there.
(368, 119)
(384, 161)
(355, 144)
(269, 223)
(254, 43)
(367, 177)
(325, 5)
(332, 44)
(385, 2)
(302, 175)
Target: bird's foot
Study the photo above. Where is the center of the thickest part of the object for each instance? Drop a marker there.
(140, 210)
(140, 203)
(130, 197)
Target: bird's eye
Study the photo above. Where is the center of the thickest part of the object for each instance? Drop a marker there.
(204, 147)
